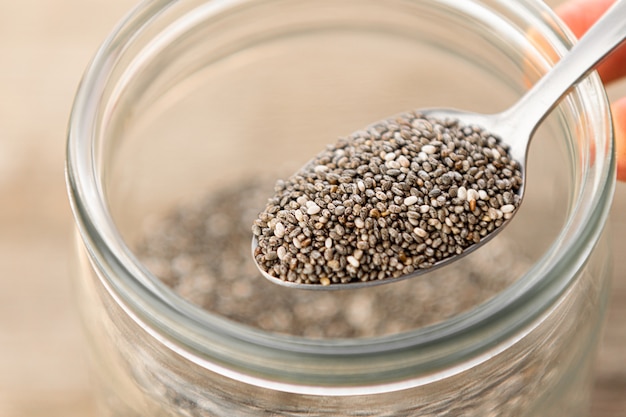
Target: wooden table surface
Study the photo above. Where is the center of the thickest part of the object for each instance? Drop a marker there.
(44, 47)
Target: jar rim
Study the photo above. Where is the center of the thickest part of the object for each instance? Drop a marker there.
(208, 340)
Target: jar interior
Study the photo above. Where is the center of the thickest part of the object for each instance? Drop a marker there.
(202, 125)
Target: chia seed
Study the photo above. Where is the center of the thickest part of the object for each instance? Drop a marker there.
(394, 189)
(201, 250)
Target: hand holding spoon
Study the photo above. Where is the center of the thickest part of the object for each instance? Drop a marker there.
(416, 191)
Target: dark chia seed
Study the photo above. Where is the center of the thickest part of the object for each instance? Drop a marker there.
(404, 194)
(202, 251)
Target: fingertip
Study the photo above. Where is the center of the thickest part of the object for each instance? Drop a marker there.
(579, 16)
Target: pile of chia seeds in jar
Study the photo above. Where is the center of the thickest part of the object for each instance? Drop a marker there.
(201, 249)
(404, 194)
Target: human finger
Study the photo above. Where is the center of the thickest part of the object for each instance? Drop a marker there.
(580, 15)
(618, 109)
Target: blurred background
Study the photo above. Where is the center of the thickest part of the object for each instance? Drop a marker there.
(44, 48)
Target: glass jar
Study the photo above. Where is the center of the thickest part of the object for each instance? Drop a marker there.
(188, 97)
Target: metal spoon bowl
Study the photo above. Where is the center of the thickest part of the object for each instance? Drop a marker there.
(516, 125)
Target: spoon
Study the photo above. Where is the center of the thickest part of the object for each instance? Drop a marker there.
(514, 127)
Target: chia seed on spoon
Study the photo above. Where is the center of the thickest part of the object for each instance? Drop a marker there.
(401, 195)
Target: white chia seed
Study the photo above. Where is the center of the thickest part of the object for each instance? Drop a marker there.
(462, 193)
(353, 261)
(313, 208)
(279, 230)
(508, 208)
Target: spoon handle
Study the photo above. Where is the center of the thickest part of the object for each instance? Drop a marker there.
(602, 38)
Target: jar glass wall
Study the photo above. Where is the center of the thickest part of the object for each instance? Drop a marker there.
(189, 98)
